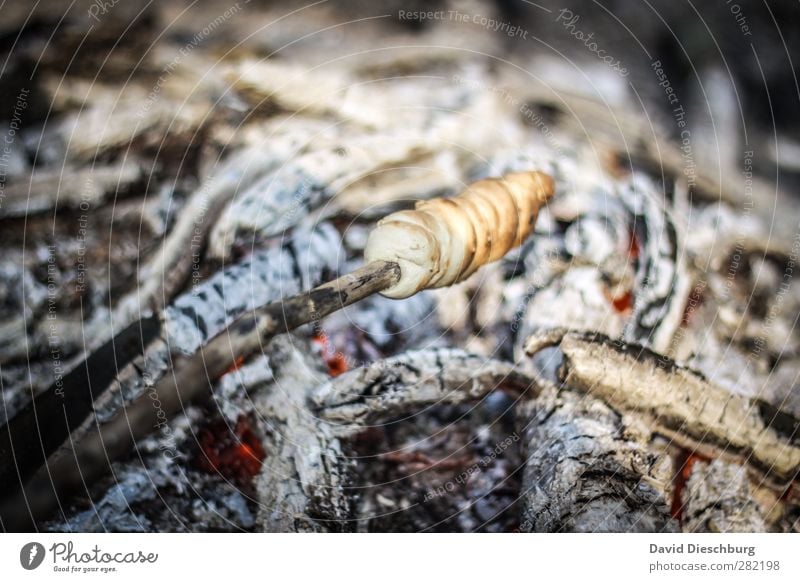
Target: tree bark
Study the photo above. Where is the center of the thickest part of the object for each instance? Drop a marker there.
(590, 469)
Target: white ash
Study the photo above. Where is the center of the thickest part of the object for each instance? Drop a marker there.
(724, 364)
(782, 387)
(158, 212)
(588, 239)
(577, 300)
(716, 231)
(113, 511)
(47, 144)
(718, 499)
(266, 275)
(49, 189)
(15, 160)
(389, 324)
(231, 391)
(662, 283)
(543, 258)
(225, 510)
(281, 199)
(263, 148)
(22, 294)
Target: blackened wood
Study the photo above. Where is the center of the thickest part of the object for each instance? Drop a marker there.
(36, 431)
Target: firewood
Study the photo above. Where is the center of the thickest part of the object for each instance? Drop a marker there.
(303, 484)
(280, 199)
(678, 402)
(168, 269)
(177, 183)
(590, 469)
(247, 333)
(174, 390)
(719, 498)
(662, 284)
(70, 188)
(413, 380)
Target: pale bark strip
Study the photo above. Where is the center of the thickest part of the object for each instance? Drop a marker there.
(71, 188)
(303, 482)
(413, 380)
(169, 268)
(279, 200)
(718, 498)
(679, 403)
(590, 469)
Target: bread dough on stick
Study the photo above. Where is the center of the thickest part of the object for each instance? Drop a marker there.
(444, 241)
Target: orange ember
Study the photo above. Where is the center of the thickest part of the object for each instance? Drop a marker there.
(686, 461)
(335, 360)
(236, 455)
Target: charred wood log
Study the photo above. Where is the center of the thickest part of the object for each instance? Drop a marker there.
(303, 483)
(413, 380)
(719, 498)
(679, 403)
(590, 469)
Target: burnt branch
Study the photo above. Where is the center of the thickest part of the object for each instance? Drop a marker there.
(302, 484)
(414, 380)
(679, 403)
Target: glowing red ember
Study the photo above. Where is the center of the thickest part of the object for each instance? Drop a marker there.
(236, 455)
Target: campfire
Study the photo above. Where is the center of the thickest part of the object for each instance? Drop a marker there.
(253, 285)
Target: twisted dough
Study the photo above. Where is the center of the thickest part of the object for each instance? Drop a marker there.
(443, 241)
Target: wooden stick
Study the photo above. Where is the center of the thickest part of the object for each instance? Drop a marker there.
(91, 456)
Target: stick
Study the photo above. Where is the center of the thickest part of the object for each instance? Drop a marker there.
(55, 413)
(132, 359)
(91, 457)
